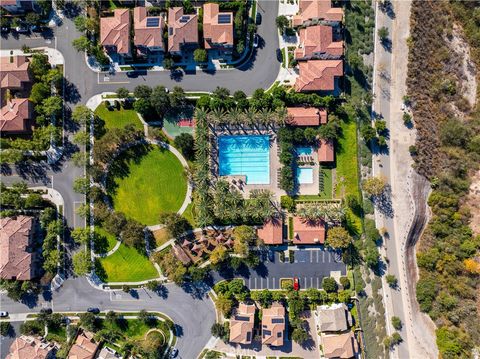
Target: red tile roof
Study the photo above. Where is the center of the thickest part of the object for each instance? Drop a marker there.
(241, 324)
(14, 71)
(317, 10)
(308, 232)
(28, 347)
(215, 33)
(318, 75)
(271, 232)
(182, 29)
(180, 254)
(115, 31)
(273, 325)
(16, 261)
(84, 348)
(318, 41)
(326, 151)
(340, 345)
(148, 36)
(306, 116)
(14, 115)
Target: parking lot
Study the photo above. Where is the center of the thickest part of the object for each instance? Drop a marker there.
(310, 266)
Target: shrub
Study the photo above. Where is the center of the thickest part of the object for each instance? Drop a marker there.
(329, 284)
(396, 323)
(288, 203)
(345, 282)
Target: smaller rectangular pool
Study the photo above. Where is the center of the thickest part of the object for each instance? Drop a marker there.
(305, 175)
(303, 151)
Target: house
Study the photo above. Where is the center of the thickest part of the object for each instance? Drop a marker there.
(271, 232)
(326, 151)
(316, 42)
(217, 28)
(28, 347)
(306, 116)
(108, 353)
(84, 348)
(148, 31)
(241, 324)
(334, 318)
(318, 75)
(182, 30)
(314, 10)
(273, 325)
(342, 346)
(308, 231)
(16, 116)
(115, 32)
(180, 254)
(19, 6)
(17, 260)
(14, 72)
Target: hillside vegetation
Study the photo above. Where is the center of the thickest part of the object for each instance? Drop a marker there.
(448, 153)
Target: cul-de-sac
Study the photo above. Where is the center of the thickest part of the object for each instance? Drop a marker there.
(239, 179)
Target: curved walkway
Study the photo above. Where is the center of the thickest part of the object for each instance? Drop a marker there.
(110, 252)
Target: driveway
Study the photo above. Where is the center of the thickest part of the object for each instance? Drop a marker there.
(310, 266)
(192, 311)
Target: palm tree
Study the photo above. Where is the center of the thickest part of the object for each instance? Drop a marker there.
(250, 117)
(217, 116)
(265, 117)
(234, 116)
(281, 115)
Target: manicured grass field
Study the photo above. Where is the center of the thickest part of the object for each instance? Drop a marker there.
(127, 265)
(118, 118)
(104, 241)
(327, 184)
(347, 170)
(154, 183)
(189, 215)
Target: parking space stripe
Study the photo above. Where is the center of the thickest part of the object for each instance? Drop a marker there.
(317, 255)
(261, 283)
(311, 282)
(318, 283)
(305, 282)
(267, 284)
(311, 256)
(323, 256)
(329, 257)
(255, 282)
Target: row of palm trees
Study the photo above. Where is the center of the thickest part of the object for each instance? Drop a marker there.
(331, 212)
(249, 117)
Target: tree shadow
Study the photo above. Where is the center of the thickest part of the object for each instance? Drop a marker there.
(386, 44)
(71, 93)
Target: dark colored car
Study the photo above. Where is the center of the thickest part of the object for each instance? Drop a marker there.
(46, 310)
(296, 284)
(93, 310)
(258, 18)
(5, 29)
(36, 28)
(132, 74)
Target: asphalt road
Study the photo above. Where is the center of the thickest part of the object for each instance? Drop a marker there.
(193, 313)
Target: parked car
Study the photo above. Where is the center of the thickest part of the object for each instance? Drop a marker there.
(93, 310)
(271, 256)
(132, 74)
(296, 284)
(258, 18)
(174, 353)
(3, 314)
(5, 29)
(46, 310)
(255, 41)
(22, 29)
(36, 28)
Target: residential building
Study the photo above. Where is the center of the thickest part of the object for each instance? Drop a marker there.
(316, 42)
(148, 31)
(342, 346)
(306, 116)
(19, 6)
(115, 33)
(16, 238)
(308, 231)
(334, 318)
(241, 324)
(182, 30)
(108, 353)
(271, 232)
(326, 150)
(180, 254)
(28, 347)
(16, 116)
(14, 72)
(84, 348)
(318, 75)
(273, 325)
(315, 10)
(217, 28)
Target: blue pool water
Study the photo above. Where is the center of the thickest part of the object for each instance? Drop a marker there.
(304, 175)
(303, 151)
(245, 155)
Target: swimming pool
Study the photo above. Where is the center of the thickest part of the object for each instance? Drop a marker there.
(245, 155)
(305, 175)
(303, 151)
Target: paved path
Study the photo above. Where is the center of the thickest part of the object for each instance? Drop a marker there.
(389, 87)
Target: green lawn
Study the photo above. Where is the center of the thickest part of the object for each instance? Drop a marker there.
(152, 184)
(104, 241)
(326, 190)
(188, 214)
(127, 265)
(347, 170)
(118, 118)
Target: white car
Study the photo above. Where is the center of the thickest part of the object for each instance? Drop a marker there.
(403, 108)
(255, 41)
(3, 314)
(174, 353)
